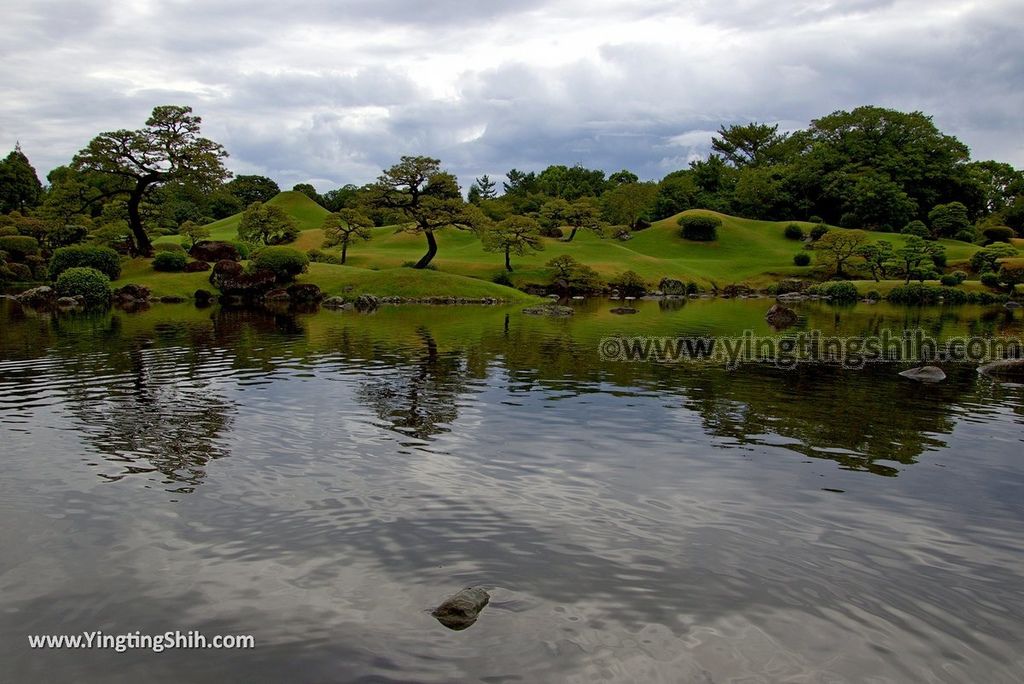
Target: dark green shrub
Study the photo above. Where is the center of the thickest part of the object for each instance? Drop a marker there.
(19, 272)
(170, 261)
(411, 264)
(874, 295)
(989, 279)
(849, 220)
(793, 232)
(40, 269)
(319, 256)
(630, 284)
(960, 276)
(839, 291)
(168, 247)
(284, 262)
(502, 279)
(939, 259)
(967, 235)
(987, 259)
(949, 280)
(802, 259)
(915, 293)
(19, 246)
(692, 288)
(917, 228)
(816, 219)
(87, 282)
(243, 250)
(818, 231)
(998, 234)
(700, 228)
(103, 259)
(1011, 273)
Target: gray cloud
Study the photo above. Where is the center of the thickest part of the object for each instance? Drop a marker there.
(332, 92)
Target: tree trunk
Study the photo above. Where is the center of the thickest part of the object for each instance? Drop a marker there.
(572, 234)
(431, 250)
(508, 263)
(344, 250)
(143, 246)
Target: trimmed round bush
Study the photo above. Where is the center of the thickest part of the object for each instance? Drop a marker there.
(284, 262)
(966, 235)
(874, 295)
(818, 231)
(103, 259)
(630, 284)
(949, 280)
(802, 259)
(816, 219)
(960, 276)
(989, 279)
(19, 246)
(917, 228)
(838, 291)
(90, 283)
(700, 228)
(849, 220)
(793, 232)
(243, 249)
(168, 247)
(998, 234)
(170, 261)
(502, 279)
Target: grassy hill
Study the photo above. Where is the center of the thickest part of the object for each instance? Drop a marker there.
(748, 251)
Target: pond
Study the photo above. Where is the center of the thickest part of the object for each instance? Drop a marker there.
(320, 481)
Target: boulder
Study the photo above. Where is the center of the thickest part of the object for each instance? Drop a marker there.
(66, 302)
(131, 292)
(461, 610)
(172, 299)
(43, 295)
(224, 270)
(336, 303)
(671, 286)
(366, 302)
(213, 251)
(1012, 305)
(196, 267)
(735, 290)
(278, 294)
(203, 297)
(305, 292)
(1010, 369)
(549, 310)
(623, 310)
(924, 374)
(780, 316)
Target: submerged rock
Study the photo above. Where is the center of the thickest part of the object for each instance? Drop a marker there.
(624, 310)
(549, 310)
(1012, 369)
(924, 374)
(461, 610)
(780, 316)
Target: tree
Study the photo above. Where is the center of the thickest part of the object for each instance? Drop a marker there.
(137, 162)
(676, 192)
(266, 224)
(515, 235)
(839, 246)
(752, 144)
(878, 257)
(482, 190)
(917, 257)
(193, 232)
(428, 197)
(572, 276)
(570, 182)
(20, 188)
(623, 177)
(628, 203)
(249, 189)
(998, 184)
(948, 219)
(309, 191)
(520, 182)
(346, 227)
(345, 197)
(583, 213)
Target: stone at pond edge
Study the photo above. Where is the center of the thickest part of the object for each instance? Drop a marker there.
(623, 310)
(305, 292)
(203, 296)
(549, 310)
(461, 610)
(780, 316)
(366, 302)
(336, 303)
(1004, 368)
(924, 374)
(37, 296)
(278, 294)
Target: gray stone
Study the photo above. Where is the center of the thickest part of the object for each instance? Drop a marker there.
(924, 374)
(672, 286)
(67, 302)
(367, 302)
(1012, 304)
(461, 610)
(1004, 368)
(336, 303)
(37, 296)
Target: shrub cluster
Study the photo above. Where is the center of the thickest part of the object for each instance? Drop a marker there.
(103, 259)
(168, 247)
(90, 283)
(630, 284)
(319, 256)
(998, 234)
(818, 231)
(283, 262)
(838, 291)
(700, 228)
(802, 259)
(793, 232)
(19, 246)
(170, 261)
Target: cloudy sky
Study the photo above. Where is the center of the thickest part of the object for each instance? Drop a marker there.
(331, 91)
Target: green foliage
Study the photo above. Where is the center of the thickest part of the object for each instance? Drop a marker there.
(838, 291)
(700, 228)
(878, 257)
(309, 191)
(917, 258)
(571, 276)
(172, 262)
(818, 232)
(517, 235)
(20, 188)
(873, 295)
(753, 144)
(629, 203)
(19, 272)
(917, 228)
(503, 279)
(949, 280)
(318, 256)
(987, 259)
(919, 293)
(346, 227)
(83, 281)
(816, 219)
(989, 279)
(193, 233)
(266, 224)
(801, 259)
(19, 246)
(793, 232)
(948, 219)
(103, 259)
(168, 247)
(998, 234)
(284, 262)
(1011, 272)
(629, 284)
(837, 247)
(249, 189)
(966, 235)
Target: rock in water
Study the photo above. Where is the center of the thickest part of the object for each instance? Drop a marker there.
(549, 310)
(780, 316)
(1008, 369)
(925, 374)
(461, 610)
